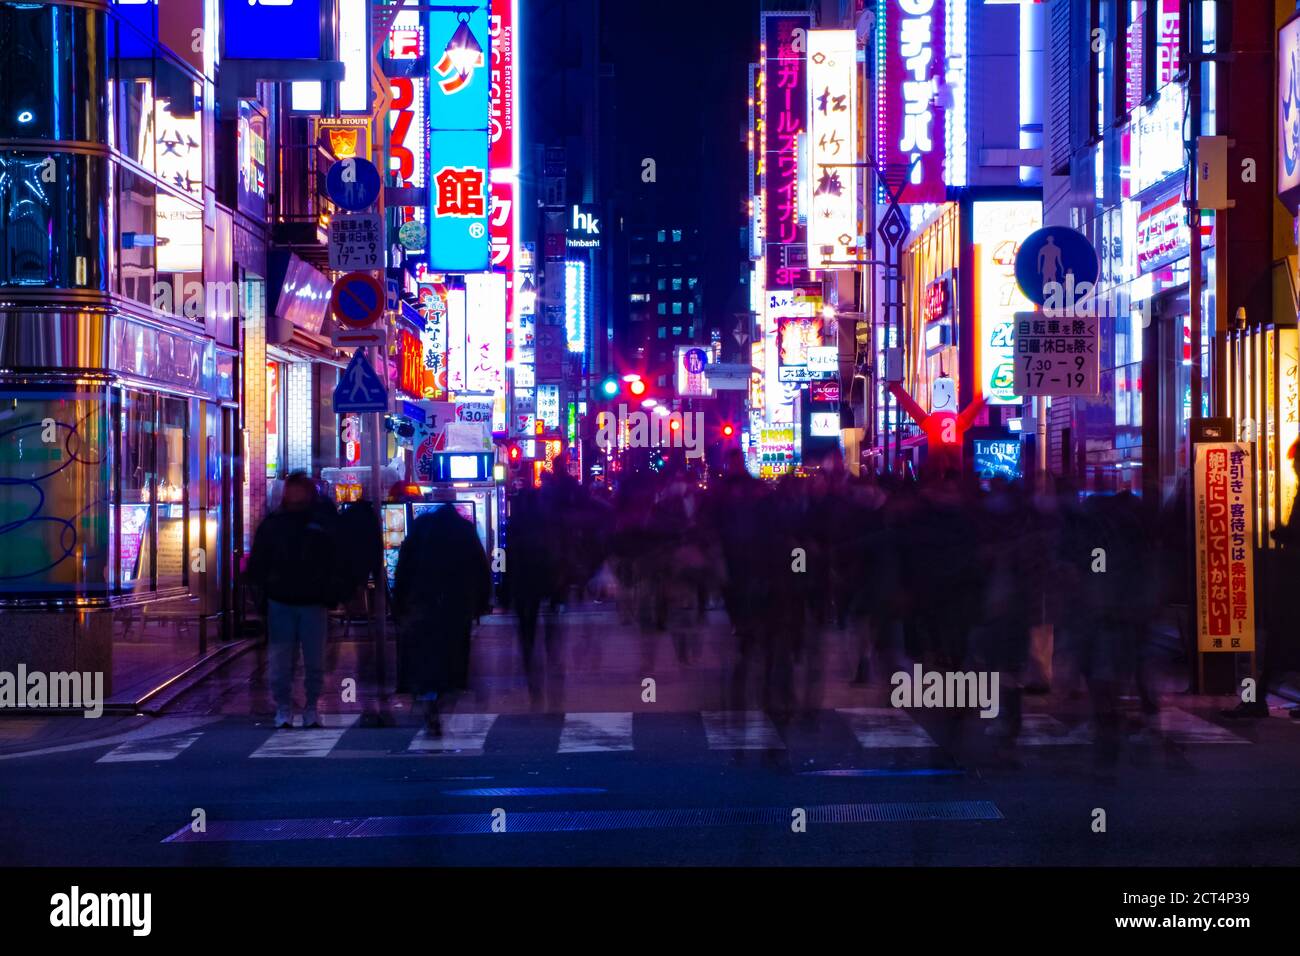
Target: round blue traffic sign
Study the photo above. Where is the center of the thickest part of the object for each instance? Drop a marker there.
(694, 360)
(358, 300)
(353, 183)
(1055, 254)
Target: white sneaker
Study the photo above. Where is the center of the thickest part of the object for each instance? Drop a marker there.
(310, 718)
(283, 717)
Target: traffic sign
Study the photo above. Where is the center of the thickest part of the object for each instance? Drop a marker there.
(1055, 254)
(359, 389)
(1055, 356)
(357, 241)
(731, 376)
(353, 183)
(341, 337)
(358, 300)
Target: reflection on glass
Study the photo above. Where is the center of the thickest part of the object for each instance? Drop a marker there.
(170, 495)
(54, 529)
(137, 469)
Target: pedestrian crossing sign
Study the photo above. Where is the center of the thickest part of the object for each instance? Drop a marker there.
(359, 389)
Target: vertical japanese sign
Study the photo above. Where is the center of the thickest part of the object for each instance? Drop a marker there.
(458, 141)
(1288, 344)
(485, 332)
(501, 154)
(1225, 576)
(785, 121)
(833, 105)
(406, 114)
(456, 340)
(433, 337)
(910, 121)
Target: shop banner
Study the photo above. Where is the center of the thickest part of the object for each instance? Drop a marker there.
(1225, 574)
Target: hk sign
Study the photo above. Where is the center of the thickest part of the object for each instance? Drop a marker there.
(584, 228)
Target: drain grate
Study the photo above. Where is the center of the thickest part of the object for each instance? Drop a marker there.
(562, 821)
(524, 791)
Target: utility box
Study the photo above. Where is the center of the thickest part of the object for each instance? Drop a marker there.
(1212, 172)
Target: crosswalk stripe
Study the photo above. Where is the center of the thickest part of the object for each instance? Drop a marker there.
(166, 748)
(741, 730)
(885, 727)
(1185, 728)
(307, 742)
(591, 733)
(461, 733)
(1044, 730)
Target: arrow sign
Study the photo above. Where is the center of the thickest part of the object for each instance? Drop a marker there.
(359, 390)
(357, 300)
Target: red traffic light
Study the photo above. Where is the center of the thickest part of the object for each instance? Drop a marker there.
(636, 387)
(728, 430)
(515, 453)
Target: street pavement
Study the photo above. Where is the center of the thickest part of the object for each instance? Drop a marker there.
(602, 775)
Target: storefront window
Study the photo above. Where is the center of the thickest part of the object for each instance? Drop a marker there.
(135, 553)
(137, 232)
(54, 529)
(170, 497)
(274, 417)
(133, 109)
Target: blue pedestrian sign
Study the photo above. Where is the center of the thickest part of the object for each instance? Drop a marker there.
(353, 183)
(1055, 254)
(360, 390)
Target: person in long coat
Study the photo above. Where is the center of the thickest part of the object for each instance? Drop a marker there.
(443, 582)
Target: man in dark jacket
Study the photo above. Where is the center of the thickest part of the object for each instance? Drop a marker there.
(295, 563)
(442, 583)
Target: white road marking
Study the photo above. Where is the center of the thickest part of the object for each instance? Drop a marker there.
(879, 727)
(307, 742)
(140, 751)
(592, 733)
(740, 730)
(464, 734)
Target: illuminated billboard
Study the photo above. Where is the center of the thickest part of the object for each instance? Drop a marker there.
(785, 120)
(485, 332)
(833, 102)
(910, 123)
(459, 82)
(575, 304)
(998, 229)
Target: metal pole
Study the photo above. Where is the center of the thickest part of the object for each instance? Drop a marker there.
(381, 583)
(1194, 219)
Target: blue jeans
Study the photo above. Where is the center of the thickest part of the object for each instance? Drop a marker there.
(289, 625)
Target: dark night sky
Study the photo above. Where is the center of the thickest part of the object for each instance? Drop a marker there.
(681, 80)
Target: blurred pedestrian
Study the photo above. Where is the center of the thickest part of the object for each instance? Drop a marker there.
(443, 582)
(295, 563)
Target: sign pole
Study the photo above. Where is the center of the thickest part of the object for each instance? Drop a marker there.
(381, 583)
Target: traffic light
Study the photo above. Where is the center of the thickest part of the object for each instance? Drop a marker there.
(636, 386)
(728, 430)
(609, 387)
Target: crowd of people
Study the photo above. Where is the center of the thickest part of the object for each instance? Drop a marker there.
(944, 572)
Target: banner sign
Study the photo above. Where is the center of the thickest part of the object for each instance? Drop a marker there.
(458, 141)
(785, 85)
(1225, 574)
(833, 96)
(911, 65)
